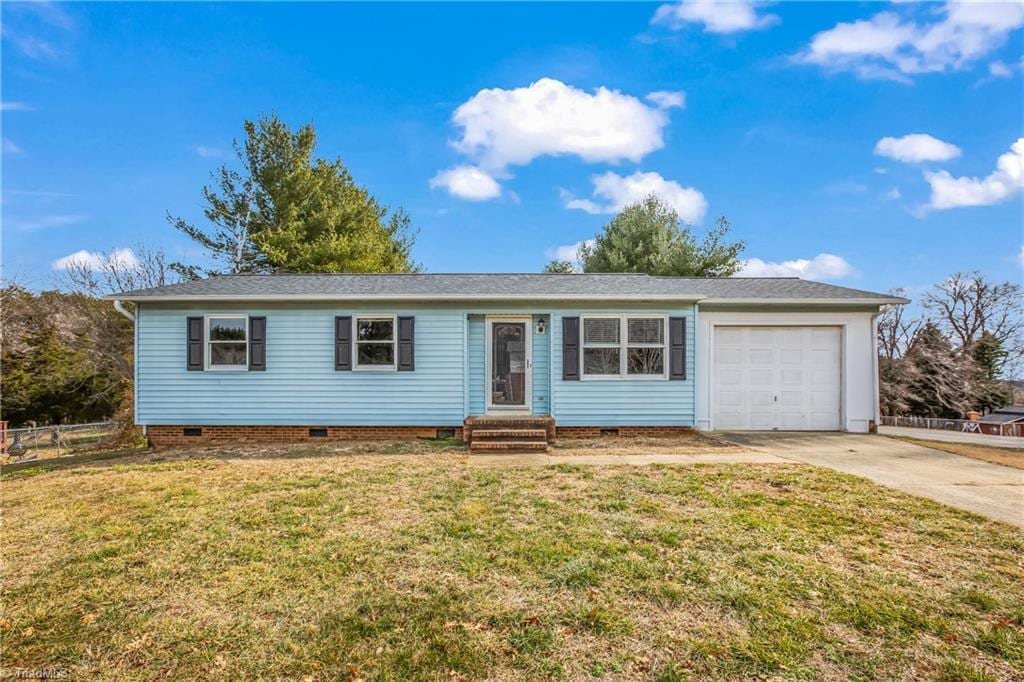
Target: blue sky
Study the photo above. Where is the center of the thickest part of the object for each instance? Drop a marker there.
(508, 131)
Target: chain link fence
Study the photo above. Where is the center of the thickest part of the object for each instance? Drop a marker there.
(47, 442)
(960, 425)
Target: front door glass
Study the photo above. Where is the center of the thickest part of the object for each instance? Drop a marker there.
(508, 364)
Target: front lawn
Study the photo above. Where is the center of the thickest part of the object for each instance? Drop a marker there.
(322, 566)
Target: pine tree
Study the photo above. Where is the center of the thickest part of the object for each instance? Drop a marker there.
(285, 210)
(649, 237)
(941, 385)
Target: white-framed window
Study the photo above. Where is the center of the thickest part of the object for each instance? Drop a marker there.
(373, 342)
(227, 342)
(624, 347)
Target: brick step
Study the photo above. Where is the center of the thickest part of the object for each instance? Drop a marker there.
(536, 434)
(509, 446)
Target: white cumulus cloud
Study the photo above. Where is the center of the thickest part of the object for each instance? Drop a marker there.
(569, 252)
(94, 260)
(915, 148)
(895, 47)
(467, 182)
(503, 128)
(729, 16)
(613, 192)
(824, 266)
(1001, 184)
(667, 99)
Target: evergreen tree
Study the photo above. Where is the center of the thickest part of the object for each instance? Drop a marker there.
(941, 384)
(285, 210)
(988, 357)
(559, 266)
(648, 237)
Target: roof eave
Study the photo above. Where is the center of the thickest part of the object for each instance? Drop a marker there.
(400, 297)
(805, 301)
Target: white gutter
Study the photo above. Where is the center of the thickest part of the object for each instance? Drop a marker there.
(121, 309)
(804, 301)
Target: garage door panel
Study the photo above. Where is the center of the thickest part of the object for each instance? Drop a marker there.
(731, 356)
(791, 356)
(776, 377)
(792, 377)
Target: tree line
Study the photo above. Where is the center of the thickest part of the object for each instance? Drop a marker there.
(956, 355)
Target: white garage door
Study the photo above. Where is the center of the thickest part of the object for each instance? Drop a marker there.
(776, 378)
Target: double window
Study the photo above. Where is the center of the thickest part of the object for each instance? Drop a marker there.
(227, 340)
(624, 346)
(375, 342)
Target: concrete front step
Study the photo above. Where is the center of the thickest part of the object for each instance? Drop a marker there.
(508, 446)
(529, 434)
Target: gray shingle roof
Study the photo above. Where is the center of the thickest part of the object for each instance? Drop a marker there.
(499, 286)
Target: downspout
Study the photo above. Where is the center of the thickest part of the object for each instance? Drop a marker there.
(874, 363)
(119, 307)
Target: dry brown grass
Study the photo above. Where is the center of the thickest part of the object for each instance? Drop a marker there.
(986, 453)
(683, 444)
(305, 563)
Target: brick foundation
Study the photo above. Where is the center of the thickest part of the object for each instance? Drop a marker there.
(622, 431)
(166, 436)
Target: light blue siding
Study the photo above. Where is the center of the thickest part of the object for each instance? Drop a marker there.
(623, 402)
(300, 385)
(541, 355)
(477, 365)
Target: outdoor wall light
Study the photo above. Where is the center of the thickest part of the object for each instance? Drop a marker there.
(541, 326)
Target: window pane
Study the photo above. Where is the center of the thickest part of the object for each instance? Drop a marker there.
(227, 354)
(374, 330)
(375, 353)
(600, 360)
(601, 330)
(646, 331)
(645, 361)
(227, 329)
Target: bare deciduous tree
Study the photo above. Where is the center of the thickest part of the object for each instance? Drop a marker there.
(966, 305)
(118, 271)
(896, 330)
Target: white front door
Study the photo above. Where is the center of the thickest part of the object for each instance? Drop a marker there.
(767, 378)
(508, 365)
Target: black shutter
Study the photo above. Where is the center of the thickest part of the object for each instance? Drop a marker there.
(570, 349)
(257, 344)
(406, 344)
(343, 343)
(677, 348)
(194, 343)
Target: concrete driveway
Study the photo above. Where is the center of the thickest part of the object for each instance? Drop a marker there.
(991, 490)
